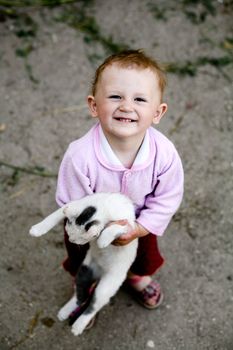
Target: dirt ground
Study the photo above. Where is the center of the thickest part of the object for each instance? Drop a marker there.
(47, 61)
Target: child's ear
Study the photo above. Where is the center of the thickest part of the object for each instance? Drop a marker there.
(92, 106)
(161, 110)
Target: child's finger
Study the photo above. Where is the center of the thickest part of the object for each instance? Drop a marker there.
(124, 239)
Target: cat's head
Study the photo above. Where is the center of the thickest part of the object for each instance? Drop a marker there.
(82, 226)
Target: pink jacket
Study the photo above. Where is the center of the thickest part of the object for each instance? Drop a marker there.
(154, 182)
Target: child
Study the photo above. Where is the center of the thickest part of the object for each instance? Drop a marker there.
(123, 153)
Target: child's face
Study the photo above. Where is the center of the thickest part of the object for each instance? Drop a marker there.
(127, 102)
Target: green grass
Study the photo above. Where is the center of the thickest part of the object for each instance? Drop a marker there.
(37, 3)
(78, 15)
(191, 67)
(36, 170)
(195, 10)
(78, 19)
(73, 13)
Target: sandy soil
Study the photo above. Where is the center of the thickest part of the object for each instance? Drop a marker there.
(45, 77)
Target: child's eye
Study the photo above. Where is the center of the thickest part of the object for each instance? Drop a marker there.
(115, 97)
(140, 99)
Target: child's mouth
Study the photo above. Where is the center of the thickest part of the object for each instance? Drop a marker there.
(125, 120)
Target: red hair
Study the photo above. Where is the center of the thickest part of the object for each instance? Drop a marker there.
(131, 58)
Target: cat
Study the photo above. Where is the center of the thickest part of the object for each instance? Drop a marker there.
(88, 221)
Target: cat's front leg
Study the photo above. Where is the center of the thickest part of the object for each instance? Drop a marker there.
(110, 233)
(67, 309)
(47, 224)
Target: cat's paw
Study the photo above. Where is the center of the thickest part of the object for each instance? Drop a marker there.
(63, 314)
(103, 242)
(67, 309)
(109, 234)
(77, 330)
(37, 231)
(79, 326)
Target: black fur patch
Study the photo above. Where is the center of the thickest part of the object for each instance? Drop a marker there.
(85, 307)
(84, 280)
(91, 223)
(85, 215)
(90, 307)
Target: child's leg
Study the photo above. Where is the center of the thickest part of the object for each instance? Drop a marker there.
(147, 262)
(76, 255)
(148, 259)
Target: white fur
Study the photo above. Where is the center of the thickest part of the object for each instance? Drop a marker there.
(109, 263)
(47, 224)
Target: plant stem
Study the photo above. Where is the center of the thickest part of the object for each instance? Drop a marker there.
(33, 171)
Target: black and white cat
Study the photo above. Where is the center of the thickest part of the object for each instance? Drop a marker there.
(88, 222)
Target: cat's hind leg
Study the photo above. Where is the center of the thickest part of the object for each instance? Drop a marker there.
(67, 309)
(84, 281)
(105, 289)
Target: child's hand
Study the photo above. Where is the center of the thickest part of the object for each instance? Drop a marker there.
(132, 233)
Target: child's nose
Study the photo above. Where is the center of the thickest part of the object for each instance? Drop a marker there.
(126, 106)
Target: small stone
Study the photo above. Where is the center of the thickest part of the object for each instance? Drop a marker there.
(150, 344)
(54, 38)
(2, 127)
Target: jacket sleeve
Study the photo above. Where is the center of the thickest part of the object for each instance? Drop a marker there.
(73, 182)
(163, 202)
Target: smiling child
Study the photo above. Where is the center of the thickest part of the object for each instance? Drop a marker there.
(124, 153)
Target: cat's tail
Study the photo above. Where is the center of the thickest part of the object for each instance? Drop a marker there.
(48, 223)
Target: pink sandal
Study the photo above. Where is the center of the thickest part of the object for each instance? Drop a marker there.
(152, 290)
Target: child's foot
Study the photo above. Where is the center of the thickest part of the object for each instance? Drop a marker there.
(147, 292)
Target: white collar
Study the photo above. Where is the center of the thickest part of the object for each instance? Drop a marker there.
(111, 157)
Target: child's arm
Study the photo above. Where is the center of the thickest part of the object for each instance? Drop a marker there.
(162, 203)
